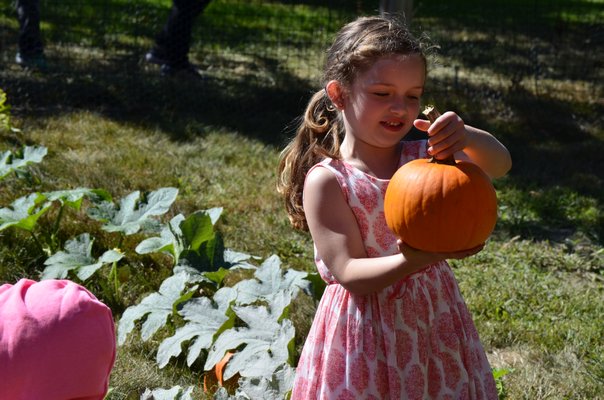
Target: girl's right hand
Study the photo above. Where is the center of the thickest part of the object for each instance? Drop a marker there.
(420, 257)
(447, 135)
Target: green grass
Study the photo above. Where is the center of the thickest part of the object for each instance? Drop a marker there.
(539, 308)
(536, 291)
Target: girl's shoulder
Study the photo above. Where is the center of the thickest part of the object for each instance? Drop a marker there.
(323, 170)
(325, 177)
(335, 166)
(331, 171)
(326, 169)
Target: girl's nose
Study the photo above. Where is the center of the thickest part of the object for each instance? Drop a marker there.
(398, 107)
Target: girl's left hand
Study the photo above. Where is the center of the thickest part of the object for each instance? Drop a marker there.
(424, 257)
(447, 135)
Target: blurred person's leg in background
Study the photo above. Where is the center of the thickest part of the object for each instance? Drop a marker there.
(173, 42)
(30, 47)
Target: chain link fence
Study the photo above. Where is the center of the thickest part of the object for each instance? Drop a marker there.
(542, 47)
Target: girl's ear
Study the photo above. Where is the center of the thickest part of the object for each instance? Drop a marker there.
(335, 92)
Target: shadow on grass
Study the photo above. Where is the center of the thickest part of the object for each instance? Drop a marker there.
(96, 51)
(175, 105)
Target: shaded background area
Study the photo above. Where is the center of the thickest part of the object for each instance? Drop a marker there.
(530, 71)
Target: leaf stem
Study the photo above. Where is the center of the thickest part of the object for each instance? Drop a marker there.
(113, 275)
(37, 241)
(55, 228)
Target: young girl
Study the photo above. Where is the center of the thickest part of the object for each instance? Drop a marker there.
(392, 323)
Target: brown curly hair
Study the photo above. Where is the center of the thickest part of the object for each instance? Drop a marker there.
(357, 46)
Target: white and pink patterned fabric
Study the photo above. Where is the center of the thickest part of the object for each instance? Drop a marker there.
(412, 340)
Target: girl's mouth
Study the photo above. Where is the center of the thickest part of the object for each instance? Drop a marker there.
(392, 125)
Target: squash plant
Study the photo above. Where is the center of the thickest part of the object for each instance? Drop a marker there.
(133, 213)
(24, 213)
(249, 319)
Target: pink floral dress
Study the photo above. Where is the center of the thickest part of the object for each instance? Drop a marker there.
(412, 340)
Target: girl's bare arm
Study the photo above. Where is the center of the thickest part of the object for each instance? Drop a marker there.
(338, 240)
(487, 152)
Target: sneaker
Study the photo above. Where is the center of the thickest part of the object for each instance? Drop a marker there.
(36, 62)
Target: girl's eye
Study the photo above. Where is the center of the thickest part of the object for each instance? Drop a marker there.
(381, 94)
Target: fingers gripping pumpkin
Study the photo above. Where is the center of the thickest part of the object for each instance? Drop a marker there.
(441, 206)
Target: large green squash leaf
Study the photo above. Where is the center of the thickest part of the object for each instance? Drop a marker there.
(270, 279)
(133, 213)
(192, 238)
(199, 227)
(170, 240)
(205, 320)
(274, 387)
(273, 286)
(10, 162)
(73, 198)
(156, 307)
(203, 246)
(175, 393)
(263, 345)
(78, 256)
(24, 212)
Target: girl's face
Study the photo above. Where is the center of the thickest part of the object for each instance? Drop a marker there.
(380, 106)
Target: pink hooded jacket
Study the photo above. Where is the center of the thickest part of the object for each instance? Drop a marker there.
(57, 342)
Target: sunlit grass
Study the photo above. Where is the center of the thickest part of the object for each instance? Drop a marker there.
(532, 303)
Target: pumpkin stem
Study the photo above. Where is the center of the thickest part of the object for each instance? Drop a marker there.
(432, 113)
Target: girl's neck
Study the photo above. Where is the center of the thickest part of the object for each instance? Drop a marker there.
(381, 162)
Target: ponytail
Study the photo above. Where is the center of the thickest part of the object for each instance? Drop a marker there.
(318, 136)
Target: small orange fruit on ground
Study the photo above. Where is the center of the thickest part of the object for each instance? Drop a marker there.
(213, 379)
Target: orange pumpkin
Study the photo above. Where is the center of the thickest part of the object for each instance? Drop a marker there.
(441, 207)
(213, 379)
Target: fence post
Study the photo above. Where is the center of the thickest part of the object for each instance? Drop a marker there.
(400, 7)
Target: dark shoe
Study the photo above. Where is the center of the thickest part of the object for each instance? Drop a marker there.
(169, 68)
(186, 70)
(36, 62)
(154, 57)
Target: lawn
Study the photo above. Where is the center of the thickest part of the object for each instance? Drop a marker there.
(530, 73)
